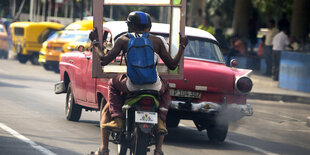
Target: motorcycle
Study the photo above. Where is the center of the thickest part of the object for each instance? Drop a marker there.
(139, 124)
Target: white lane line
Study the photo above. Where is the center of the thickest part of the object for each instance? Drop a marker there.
(252, 147)
(240, 144)
(26, 140)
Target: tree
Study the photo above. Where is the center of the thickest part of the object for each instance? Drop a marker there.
(300, 19)
(241, 18)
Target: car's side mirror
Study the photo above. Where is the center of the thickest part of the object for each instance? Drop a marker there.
(233, 63)
(81, 48)
(108, 45)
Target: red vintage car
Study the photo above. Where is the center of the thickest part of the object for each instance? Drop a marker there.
(211, 94)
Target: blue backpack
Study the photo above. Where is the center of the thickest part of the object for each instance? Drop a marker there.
(141, 68)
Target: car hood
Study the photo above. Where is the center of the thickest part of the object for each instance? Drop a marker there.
(206, 76)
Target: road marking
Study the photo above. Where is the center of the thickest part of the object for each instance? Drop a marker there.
(252, 147)
(237, 143)
(26, 140)
(281, 115)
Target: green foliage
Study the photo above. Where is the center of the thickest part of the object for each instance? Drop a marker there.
(224, 6)
(273, 8)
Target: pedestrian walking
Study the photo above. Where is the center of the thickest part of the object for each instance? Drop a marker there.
(279, 42)
(272, 31)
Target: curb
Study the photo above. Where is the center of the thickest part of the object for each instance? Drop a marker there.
(279, 97)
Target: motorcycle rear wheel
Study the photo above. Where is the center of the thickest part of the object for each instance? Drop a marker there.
(121, 149)
(141, 142)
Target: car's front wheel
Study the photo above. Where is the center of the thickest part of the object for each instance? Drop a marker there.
(73, 111)
(217, 132)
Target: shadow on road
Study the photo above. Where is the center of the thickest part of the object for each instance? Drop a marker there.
(25, 78)
(11, 145)
(4, 84)
(190, 138)
(193, 139)
(96, 123)
(274, 147)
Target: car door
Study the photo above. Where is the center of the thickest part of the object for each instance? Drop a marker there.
(90, 83)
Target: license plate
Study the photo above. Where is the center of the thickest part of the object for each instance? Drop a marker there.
(57, 48)
(146, 117)
(184, 93)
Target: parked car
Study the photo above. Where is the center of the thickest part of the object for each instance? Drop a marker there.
(56, 45)
(210, 93)
(27, 38)
(4, 44)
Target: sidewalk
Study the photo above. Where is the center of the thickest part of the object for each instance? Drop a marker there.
(265, 88)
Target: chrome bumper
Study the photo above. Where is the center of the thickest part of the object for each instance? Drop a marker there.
(60, 87)
(209, 107)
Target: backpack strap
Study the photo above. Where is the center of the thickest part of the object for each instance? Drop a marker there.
(130, 35)
(145, 35)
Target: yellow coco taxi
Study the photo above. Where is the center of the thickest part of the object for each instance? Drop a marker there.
(82, 25)
(4, 44)
(27, 38)
(52, 49)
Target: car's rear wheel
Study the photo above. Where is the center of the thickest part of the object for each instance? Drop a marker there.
(22, 58)
(172, 121)
(56, 68)
(6, 55)
(217, 132)
(73, 111)
(47, 67)
(34, 59)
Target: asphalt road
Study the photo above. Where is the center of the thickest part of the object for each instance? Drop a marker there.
(32, 121)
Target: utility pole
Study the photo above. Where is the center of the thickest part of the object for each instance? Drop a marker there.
(43, 18)
(31, 10)
(13, 8)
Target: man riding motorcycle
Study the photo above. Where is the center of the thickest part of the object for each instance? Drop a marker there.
(139, 24)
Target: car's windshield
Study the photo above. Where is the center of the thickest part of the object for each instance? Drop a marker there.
(54, 36)
(201, 48)
(83, 39)
(73, 36)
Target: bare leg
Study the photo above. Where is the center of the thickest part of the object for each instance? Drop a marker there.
(159, 143)
(104, 140)
(105, 133)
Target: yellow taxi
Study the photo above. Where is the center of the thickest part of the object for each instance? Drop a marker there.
(50, 54)
(4, 44)
(56, 44)
(27, 38)
(83, 42)
(82, 25)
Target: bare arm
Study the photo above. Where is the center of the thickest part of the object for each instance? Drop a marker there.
(120, 44)
(171, 63)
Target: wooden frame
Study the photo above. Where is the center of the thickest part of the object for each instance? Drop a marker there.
(177, 20)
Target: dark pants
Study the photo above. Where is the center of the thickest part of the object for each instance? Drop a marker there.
(268, 59)
(231, 54)
(118, 91)
(276, 57)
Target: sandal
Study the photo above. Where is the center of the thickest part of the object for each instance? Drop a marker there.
(158, 151)
(98, 152)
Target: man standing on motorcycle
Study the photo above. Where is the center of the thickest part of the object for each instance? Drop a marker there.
(138, 23)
